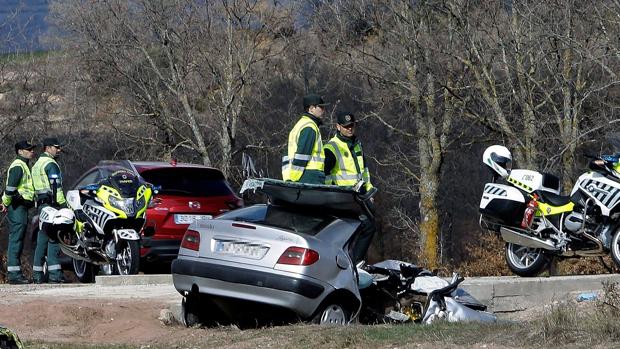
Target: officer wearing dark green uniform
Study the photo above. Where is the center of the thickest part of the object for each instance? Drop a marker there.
(304, 160)
(345, 165)
(47, 180)
(17, 199)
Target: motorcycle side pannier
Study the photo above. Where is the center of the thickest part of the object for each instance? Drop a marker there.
(503, 204)
(56, 221)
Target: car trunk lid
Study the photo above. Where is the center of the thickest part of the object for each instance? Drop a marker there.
(244, 242)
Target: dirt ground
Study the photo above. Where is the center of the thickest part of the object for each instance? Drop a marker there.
(137, 316)
(75, 314)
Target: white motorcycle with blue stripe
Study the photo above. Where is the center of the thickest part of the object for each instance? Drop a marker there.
(538, 224)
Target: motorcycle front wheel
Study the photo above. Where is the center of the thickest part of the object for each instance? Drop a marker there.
(525, 261)
(615, 248)
(127, 257)
(84, 271)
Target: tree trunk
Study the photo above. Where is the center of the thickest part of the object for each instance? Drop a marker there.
(199, 138)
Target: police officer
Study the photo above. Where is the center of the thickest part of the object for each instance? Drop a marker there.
(305, 158)
(345, 165)
(17, 199)
(47, 180)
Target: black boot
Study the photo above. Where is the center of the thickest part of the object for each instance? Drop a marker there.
(19, 281)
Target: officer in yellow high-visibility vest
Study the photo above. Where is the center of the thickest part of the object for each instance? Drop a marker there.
(17, 198)
(345, 165)
(304, 160)
(47, 180)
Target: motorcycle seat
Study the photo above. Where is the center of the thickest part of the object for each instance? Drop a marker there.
(553, 199)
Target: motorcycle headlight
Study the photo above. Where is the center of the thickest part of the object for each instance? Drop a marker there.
(125, 205)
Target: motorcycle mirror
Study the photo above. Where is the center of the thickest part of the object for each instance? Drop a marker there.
(614, 140)
(358, 186)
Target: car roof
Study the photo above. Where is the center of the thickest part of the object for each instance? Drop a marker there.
(142, 166)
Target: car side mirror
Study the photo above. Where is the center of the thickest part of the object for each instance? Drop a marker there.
(369, 194)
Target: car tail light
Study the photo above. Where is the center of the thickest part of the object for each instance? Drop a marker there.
(191, 240)
(298, 256)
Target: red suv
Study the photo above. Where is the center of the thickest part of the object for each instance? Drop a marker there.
(187, 192)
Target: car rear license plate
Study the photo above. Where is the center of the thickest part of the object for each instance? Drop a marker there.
(190, 218)
(240, 249)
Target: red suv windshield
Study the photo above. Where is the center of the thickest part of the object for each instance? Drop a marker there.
(188, 181)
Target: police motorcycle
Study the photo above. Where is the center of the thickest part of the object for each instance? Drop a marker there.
(538, 224)
(101, 227)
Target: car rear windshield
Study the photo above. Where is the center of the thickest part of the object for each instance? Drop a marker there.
(309, 223)
(188, 181)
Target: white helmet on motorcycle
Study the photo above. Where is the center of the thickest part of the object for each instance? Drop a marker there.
(64, 216)
(499, 159)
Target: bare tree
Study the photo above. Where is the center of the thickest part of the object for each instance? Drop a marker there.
(183, 66)
(535, 67)
(399, 46)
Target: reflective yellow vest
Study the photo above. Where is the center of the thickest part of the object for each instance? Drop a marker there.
(41, 181)
(25, 187)
(316, 160)
(345, 173)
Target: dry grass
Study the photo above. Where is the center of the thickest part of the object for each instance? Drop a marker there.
(486, 258)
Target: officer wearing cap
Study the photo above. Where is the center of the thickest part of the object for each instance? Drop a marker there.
(345, 165)
(47, 180)
(304, 161)
(17, 198)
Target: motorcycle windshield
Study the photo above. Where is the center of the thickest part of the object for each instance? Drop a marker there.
(614, 140)
(120, 174)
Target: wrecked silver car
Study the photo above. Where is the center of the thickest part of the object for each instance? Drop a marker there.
(290, 254)
(290, 259)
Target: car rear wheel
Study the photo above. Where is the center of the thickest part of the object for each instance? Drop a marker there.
(332, 314)
(190, 311)
(84, 271)
(128, 257)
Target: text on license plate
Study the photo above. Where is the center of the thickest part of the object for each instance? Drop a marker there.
(190, 218)
(240, 248)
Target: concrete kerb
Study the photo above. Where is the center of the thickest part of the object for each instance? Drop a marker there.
(140, 279)
(513, 294)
